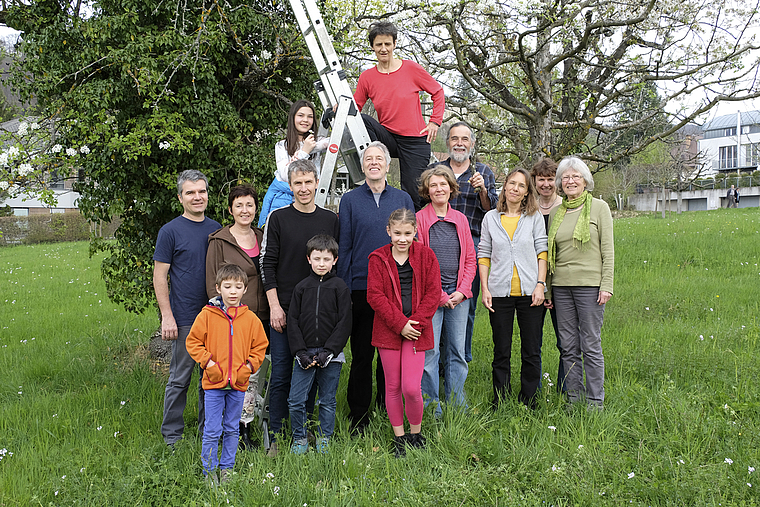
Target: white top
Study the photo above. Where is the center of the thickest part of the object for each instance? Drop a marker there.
(283, 160)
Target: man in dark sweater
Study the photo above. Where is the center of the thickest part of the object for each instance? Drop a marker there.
(283, 265)
(364, 213)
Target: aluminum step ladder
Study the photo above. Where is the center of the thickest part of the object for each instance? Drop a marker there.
(349, 136)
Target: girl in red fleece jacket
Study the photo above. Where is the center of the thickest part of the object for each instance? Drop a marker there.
(403, 287)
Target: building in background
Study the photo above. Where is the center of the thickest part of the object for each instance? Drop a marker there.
(731, 143)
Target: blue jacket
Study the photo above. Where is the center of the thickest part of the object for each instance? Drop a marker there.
(362, 229)
(278, 195)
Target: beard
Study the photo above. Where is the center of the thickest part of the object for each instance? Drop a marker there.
(459, 157)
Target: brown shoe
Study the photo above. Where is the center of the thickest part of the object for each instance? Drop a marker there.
(272, 452)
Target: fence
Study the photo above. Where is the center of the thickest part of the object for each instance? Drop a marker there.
(704, 184)
(51, 228)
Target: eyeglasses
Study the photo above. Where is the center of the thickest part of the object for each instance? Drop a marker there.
(574, 177)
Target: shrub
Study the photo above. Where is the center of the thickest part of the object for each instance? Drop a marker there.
(49, 229)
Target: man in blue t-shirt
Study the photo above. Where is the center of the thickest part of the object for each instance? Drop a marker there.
(181, 254)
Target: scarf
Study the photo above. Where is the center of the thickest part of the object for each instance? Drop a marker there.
(582, 232)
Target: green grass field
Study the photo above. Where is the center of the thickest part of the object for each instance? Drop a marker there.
(80, 407)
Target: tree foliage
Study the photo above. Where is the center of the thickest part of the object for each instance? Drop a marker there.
(153, 88)
(555, 77)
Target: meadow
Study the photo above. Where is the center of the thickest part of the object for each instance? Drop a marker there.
(81, 403)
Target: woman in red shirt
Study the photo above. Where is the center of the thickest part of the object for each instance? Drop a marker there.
(394, 86)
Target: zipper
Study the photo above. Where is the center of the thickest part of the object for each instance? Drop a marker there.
(316, 314)
(229, 368)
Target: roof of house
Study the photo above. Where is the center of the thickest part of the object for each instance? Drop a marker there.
(729, 120)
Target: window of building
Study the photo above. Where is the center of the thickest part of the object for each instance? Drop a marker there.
(752, 154)
(731, 131)
(20, 212)
(727, 157)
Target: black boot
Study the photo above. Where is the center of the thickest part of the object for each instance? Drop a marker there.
(399, 445)
(246, 444)
(416, 440)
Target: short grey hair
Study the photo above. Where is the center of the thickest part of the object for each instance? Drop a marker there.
(576, 164)
(461, 124)
(302, 166)
(190, 175)
(383, 148)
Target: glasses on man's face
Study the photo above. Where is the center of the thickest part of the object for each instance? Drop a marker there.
(574, 177)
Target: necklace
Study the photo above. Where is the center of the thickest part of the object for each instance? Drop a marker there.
(550, 206)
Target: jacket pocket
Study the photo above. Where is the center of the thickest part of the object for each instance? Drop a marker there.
(214, 374)
(242, 375)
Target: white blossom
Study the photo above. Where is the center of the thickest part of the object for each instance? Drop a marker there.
(56, 148)
(24, 169)
(35, 126)
(288, 80)
(266, 55)
(71, 152)
(23, 128)
(164, 145)
(84, 150)
(728, 461)
(3, 185)
(3, 158)
(13, 151)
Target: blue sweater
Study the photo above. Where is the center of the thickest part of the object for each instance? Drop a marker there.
(362, 229)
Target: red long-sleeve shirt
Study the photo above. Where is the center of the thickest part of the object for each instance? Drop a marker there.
(396, 97)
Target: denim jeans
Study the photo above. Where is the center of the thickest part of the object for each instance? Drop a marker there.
(453, 322)
(175, 396)
(327, 379)
(223, 409)
(279, 381)
(473, 303)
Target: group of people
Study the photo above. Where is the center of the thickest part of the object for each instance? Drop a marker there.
(405, 283)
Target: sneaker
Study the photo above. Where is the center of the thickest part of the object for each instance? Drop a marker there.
(272, 452)
(322, 445)
(225, 474)
(211, 479)
(416, 440)
(311, 439)
(297, 448)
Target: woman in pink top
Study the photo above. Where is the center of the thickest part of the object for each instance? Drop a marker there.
(394, 86)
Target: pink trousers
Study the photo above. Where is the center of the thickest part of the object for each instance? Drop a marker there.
(403, 376)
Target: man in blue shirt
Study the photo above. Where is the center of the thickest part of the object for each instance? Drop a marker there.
(363, 216)
(181, 255)
(477, 195)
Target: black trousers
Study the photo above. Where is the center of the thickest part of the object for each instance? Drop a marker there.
(359, 391)
(530, 320)
(413, 154)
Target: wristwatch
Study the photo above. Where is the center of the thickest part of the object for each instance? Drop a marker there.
(542, 283)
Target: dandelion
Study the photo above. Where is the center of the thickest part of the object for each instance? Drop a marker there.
(84, 150)
(100, 428)
(750, 469)
(553, 428)
(580, 446)
(276, 490)
(728, 460)
(270, 475)
(646, 308)
(56, 493)
(701, 338)
(123, 403)
(56, 148)
(116, 434)
(748, 484)
(681, 461)
(81, 470)
(63, 477)
(55, 415)
(631, 475)
(71, 152)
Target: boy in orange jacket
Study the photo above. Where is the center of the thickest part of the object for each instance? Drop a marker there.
(228, 341)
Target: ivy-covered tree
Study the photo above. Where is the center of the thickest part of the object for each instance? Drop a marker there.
(149, 88)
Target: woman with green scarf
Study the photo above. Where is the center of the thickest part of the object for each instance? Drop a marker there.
(581, 267)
